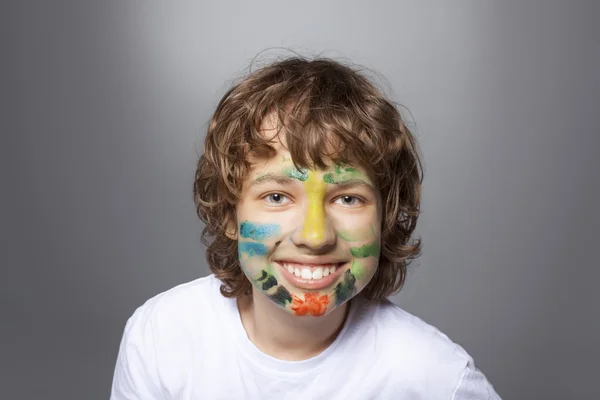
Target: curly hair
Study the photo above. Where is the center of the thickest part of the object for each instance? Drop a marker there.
(321, 104)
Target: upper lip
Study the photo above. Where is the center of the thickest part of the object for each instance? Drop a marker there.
(311, 261)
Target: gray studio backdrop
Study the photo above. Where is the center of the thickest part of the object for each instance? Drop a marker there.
(105, 102)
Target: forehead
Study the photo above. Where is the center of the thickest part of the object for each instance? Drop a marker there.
(281, 162)
(281, 158)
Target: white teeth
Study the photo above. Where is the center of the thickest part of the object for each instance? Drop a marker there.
(317, 273)
(310, 273)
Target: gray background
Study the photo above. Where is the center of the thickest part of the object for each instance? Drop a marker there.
(103, 104)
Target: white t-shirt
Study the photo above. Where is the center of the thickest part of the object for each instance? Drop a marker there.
(189, 343)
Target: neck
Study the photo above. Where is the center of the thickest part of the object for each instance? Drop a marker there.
(280, 334)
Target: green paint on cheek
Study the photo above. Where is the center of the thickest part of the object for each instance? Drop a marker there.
(270, 268)
(356, 235)
(266, 280)
(368, 250)
(296, 174)
(281, 296)
(347, 236)
(344, 290)
(269, 283)
(357, 270)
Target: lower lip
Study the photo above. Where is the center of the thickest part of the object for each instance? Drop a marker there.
(313, 284)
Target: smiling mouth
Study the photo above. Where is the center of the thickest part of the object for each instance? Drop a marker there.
(311, 276)
(310, 271)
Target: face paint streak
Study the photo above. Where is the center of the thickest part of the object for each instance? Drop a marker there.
(342, 167)
(281, 296)
(357, 269)
(341, 175)
(313, 304)
(345, 290)
(368, 250)
(356, 235)
(252, 249)
(314, 223)
(268, 281)
(293, 173)
(254, 231)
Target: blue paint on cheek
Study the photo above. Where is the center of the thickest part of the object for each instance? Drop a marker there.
(252, 249)
(250, 230)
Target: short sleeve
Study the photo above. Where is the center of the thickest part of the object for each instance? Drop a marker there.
(135, 376)
(473, 385)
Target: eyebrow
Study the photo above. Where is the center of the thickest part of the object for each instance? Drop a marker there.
(272, 178)
(351, 183)
(286, 180)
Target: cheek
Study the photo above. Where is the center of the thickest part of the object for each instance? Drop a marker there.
(363, 269)
(363, 240)
(261, 224)
(358, 229)
(250, 250)
(252, 257)
(258, 231)
(256, 240)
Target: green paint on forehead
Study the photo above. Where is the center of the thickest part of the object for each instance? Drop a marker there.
(259, 176)
(342, 168)
(294, 173)
(368, 250)
(342, 174)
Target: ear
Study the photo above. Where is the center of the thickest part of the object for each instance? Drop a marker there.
(231, 230)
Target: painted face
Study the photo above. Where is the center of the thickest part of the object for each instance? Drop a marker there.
(309, 240)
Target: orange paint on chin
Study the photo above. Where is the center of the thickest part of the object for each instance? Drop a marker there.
(313, 304)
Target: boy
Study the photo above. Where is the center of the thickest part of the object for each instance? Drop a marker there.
(309, 187)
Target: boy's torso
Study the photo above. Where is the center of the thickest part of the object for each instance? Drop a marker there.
(200, 350)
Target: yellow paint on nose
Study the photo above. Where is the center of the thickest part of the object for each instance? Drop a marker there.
(314, 222)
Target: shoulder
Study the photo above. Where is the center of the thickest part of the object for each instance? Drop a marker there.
(176, 311)
(183, 297)
(414, 353)
(414, 338)
(163, 335)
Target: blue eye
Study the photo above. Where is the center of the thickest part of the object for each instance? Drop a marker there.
(276, 199)
(349, 201)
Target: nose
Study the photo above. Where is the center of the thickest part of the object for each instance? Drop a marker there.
(316, 231)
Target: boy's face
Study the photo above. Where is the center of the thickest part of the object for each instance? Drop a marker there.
(309, 240)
